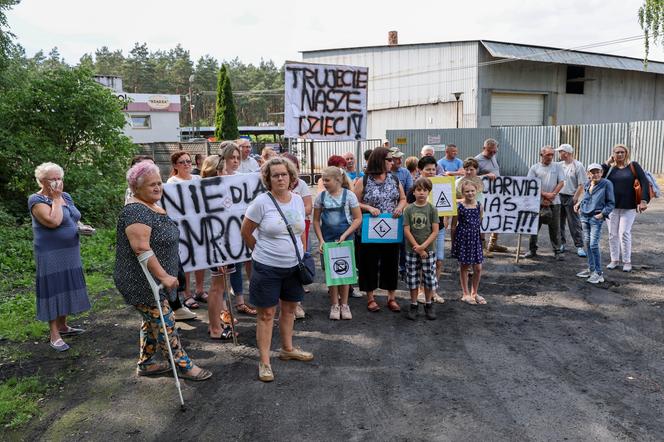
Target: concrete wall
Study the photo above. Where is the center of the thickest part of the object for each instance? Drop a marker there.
(613, 96)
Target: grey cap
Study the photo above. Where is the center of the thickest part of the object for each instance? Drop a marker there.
(594, 166)
(565, 148)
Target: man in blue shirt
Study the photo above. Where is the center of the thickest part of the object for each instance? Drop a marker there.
(451, 165)
(401, 173)
(351, 167)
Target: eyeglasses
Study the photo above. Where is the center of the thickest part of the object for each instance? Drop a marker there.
(276, 176)
(389, 159)
(184, 162)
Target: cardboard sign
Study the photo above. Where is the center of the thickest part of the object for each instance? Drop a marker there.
(325, 101)
(209, 214)
(511, 205)
(339, 259)
(443, 195)
(382, 228)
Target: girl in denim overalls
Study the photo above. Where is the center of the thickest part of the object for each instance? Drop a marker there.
(337, 215)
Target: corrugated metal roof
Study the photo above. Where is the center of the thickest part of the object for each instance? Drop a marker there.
(518, 51)
(562, 56)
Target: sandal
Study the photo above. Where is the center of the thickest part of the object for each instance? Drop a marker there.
(71, 331)
(226, 333)
(393, 305)
(201, 297)
(201, 376)
(226, 318)
(154, 369)
(468, 300)
(191, 303)
(480, 300)
(373, 306)
(244, 308)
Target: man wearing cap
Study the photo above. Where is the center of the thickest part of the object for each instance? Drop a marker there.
(247, 163)
(575, 178)
(489, 167)
(552, 178)
(401, 173)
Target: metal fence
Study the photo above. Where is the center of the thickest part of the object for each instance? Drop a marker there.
(519, 146)
(312, 155)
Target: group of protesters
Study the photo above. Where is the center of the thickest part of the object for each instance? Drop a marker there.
(276, 229)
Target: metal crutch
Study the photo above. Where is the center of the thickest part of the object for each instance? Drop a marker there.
(229, 303)
(143, 261)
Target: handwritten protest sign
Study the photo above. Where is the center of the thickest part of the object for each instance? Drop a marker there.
(325, 102)
(443, 195)
(339, 259)
(382, 228)
(209, 214)
(511, 205)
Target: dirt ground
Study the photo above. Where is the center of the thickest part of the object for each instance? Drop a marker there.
(550, 357)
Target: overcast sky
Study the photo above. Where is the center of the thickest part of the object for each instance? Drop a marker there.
(277, 30)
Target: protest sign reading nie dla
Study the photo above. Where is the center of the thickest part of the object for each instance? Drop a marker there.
(209, 214)
(511, 205)
(325, 101)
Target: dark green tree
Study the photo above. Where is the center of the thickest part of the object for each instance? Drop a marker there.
(138, 70)
(62, 115)
(109, 63)
(225, 118)
(5, 36)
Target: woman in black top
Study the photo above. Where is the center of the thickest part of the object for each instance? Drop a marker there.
(622, 172)
(144, 226)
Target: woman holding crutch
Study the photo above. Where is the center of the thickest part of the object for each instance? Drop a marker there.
(143, 226)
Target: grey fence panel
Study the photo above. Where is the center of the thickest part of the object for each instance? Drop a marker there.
(322, 150)
(468, 141)
(598, 139)
(647, 142)
(520, 147)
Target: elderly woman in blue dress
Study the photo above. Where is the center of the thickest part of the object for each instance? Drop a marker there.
(61, 289)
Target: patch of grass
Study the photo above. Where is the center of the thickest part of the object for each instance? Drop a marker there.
(17, 264)
(18, 400)
(17, 319)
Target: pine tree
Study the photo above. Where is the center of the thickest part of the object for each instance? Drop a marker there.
(225, 118)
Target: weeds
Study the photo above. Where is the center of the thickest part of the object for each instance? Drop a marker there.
(18, 400)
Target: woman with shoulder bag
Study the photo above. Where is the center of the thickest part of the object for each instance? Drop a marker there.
(277, 219)
(626, 176)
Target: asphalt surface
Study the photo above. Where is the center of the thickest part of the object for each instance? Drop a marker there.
(550, 357)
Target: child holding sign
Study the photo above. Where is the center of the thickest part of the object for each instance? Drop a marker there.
(467, 245)
(337, 214)
(420, 227)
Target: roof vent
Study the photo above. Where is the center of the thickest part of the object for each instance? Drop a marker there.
(392, 38)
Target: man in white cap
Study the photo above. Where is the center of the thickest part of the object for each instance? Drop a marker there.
(572, 191)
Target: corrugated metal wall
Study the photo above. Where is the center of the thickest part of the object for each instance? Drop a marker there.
(519, 146)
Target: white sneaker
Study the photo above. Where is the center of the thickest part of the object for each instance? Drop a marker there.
(438, 299)
(299, 312)
(183, 314)
(612, 265)
(627, 267)
(595, 278)
(335, 312)
(584, 274)
(345, 312)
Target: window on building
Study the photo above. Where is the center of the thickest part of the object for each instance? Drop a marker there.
(576, 76)
(140, 121)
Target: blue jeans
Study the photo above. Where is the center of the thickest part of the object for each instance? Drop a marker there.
(592, 229)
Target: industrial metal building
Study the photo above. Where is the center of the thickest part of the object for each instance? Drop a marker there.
(483, 84)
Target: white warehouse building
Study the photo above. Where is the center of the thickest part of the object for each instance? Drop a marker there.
(483, 83)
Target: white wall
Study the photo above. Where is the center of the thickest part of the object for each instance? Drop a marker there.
(165, 126)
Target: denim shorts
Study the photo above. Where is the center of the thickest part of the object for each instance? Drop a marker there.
(440, 244)
(270, 284)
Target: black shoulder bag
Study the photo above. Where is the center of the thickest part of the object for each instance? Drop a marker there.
(305, 265)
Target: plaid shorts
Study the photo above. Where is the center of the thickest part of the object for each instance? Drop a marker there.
(427, 266)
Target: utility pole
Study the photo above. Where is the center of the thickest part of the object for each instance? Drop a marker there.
(192, 133)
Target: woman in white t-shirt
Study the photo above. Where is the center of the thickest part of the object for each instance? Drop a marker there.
(274, 275)
(181, 163)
